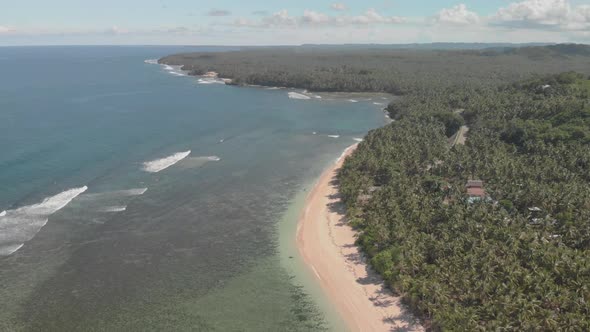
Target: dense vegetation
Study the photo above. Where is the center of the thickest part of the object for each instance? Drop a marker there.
(518, 261)
(381, 69)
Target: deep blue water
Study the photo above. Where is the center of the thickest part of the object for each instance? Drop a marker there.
(99, 251)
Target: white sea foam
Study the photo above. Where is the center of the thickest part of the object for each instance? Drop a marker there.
(273, 88)
(295, 95)
(318, 97)
(2, 214)
(214, 158)
(334, 136)
(10, 249)
(358, 139)
(135, 192)
(151, 61)
(210, 81)
(51, 204)
(380, 104)
(158, 165)
(168, 68)
(117, 193)
(20, 225)
(117, 208)
(353, 101)
(315, 133)
(344, 153)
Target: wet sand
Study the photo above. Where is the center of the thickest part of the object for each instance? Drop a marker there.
(327, 245)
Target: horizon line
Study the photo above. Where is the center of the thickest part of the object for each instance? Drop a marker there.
(294, 45)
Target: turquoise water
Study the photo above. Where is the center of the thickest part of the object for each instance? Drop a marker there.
(93, 238)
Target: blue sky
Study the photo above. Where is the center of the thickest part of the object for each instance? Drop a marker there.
(257, 22)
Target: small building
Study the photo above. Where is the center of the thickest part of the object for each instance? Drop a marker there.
(210, 74)
(475, 191)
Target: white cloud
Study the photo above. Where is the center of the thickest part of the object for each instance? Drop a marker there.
(555, 14)
(279, 18)
(339, 6)
(310, 17)
(5, 29)
(458, 14)
(516, 21)
(371, 16)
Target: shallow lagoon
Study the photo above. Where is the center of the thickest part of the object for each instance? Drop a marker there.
(202, 243)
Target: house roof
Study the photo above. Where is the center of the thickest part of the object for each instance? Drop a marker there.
(475, 184)
(476, 192)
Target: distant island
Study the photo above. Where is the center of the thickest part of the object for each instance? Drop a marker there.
(473, 204)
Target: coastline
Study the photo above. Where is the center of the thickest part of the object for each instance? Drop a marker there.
(367, 305)
(327, 246)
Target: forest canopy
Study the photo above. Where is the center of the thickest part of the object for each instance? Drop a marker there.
(517, 260)
(381, 69)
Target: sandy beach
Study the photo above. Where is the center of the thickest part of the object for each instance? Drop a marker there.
(327, 245)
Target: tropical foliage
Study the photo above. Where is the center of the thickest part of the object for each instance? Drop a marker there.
(518, 261)
(381, 69)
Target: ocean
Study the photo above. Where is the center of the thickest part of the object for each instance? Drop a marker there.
(134, 197)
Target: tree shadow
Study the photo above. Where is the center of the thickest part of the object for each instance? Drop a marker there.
(410, 323)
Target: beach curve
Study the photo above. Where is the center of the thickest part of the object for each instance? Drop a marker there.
(327, 246)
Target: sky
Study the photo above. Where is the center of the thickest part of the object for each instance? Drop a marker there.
(290, 22)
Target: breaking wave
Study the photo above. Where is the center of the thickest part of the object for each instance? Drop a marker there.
(158, 165)
(21, 225)
(334, 136)
(353, 101)
(151, 61)
(295, 95)
(134, 192)
(119, 208)
(10, 249)
(344, 153)
(2, 214)
(358, 139)
(210, 81)
(116, 194)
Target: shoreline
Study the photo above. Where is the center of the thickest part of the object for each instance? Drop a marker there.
(230, 82)
(327, 246)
